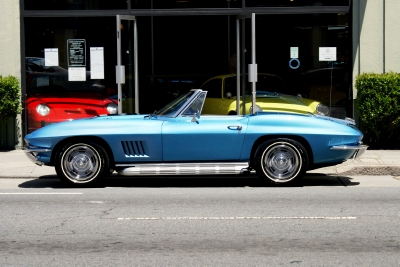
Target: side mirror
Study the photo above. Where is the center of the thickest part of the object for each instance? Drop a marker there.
(195, 117)
(228, 94)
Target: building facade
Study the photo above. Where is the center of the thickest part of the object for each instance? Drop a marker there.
(85, 56)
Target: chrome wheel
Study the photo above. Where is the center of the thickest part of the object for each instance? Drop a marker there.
(281, 160)
(82, 163)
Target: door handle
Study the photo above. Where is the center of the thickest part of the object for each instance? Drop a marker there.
(239, 128)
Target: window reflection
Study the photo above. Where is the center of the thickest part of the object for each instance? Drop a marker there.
(52, 95)
(181, 58)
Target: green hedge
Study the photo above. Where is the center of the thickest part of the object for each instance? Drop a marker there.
(378, 98)
(10, 97)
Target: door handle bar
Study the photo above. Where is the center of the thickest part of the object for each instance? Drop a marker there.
(235, 128)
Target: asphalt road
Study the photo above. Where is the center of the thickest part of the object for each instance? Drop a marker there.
(330, 221)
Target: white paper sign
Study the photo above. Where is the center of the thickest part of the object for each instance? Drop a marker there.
(294, 52)
(76, 74)
(327, 54)
(51, 57)
(96, 63)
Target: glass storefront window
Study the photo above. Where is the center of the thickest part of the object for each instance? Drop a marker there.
(69, 69)
(173, 59)
(312, 76)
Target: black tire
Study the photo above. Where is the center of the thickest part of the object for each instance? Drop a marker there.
(82, 163)
(281, 161)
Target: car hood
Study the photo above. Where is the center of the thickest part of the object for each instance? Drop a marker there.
(279, 98)
(283, 102)
(95, 125)
(71, 105)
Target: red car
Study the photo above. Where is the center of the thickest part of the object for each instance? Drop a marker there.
(52, 98)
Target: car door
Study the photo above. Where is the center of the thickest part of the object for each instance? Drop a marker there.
(209, 138)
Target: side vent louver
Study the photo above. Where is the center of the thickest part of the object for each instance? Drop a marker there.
(133, 149)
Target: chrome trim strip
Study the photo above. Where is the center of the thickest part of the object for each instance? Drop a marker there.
(349, 147)
(182, 168)
(32, 153)
(37, 150)
(358, 149)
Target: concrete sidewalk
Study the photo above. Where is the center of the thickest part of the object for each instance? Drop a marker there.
(14, 164)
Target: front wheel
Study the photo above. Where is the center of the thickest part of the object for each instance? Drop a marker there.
(281, 161)
(82, 163)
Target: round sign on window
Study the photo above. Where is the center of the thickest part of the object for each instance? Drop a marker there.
(294, 63)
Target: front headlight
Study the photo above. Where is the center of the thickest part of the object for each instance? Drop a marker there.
(43, 109)
(258, 109)
(323, 109)
(112, 108)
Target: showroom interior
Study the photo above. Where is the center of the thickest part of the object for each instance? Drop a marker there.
(170, 47)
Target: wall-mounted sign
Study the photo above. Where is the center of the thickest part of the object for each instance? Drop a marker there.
(51, 57)
(76, 52)
(327, 54)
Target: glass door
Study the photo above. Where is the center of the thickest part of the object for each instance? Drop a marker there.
(127, 77)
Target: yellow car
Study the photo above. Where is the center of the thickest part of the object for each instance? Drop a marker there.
(272, 95)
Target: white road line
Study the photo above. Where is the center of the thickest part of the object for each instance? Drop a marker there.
(41, 193)
(238, 218)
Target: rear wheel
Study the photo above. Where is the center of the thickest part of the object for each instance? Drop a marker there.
(281, 161)
(82, 163)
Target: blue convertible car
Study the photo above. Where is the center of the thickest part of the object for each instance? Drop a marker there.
(179, 139)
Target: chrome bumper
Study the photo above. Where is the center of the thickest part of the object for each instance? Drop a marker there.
(32, 154)
(358, 149)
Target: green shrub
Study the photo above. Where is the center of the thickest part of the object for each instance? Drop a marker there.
(10, 94)
(378, 97)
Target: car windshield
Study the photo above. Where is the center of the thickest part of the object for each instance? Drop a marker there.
(175, 105)
(260, 93)
(67, 90)
(51, 84)
(54, 81)
(266, 86)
